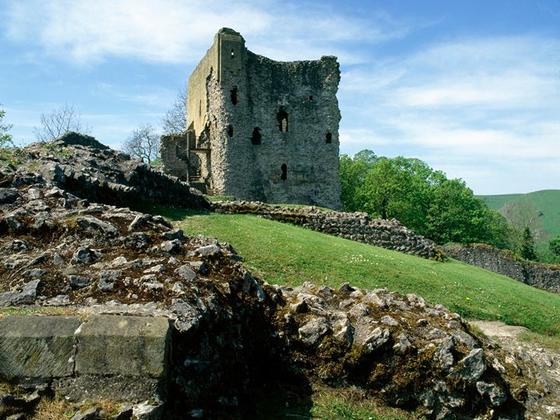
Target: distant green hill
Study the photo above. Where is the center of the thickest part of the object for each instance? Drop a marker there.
(540, 210)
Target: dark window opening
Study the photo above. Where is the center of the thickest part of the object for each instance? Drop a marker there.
(232, 53)
(328, 137)
(233, 95)
(200, 108)
(284, 169)
(256, 136)
(310, 97)
(230, 130)
(282, 118)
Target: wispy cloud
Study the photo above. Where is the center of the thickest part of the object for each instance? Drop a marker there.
(478, 102)
(180, 31)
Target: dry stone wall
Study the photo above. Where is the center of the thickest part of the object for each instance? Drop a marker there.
(359, 227)
(543, 276)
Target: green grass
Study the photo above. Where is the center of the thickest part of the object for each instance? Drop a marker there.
(286, 254)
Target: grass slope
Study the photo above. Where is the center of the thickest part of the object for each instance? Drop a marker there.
(547, 202)
(286, 254)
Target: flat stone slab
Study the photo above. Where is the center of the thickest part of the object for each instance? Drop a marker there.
(113, 345)
(37, 346)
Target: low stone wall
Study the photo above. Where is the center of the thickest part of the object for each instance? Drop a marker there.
(359, 227)
(543, 276)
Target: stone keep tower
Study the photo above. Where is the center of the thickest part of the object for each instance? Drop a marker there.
(259, 129)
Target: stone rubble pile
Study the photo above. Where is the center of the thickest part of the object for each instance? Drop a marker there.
(359, 227)
(83, 166)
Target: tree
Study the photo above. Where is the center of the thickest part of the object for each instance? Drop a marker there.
(5, 136)
(352, 175)
(421, 198)
(399, 188)
(59, 122)
(457, 215)
(522, 215)
(554, 246)
(528, 245)
(175, 119)
(143, 144)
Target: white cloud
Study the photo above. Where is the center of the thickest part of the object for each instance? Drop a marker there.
(179, 31)
(478, 103)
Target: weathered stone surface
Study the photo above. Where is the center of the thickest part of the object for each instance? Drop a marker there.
(26, 295)
(140, 349)
(260, 129)
(37, 346)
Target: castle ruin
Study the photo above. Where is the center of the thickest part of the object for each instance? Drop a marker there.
(259, 129)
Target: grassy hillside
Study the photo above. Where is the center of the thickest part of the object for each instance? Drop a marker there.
(546, 202)
(287, 254)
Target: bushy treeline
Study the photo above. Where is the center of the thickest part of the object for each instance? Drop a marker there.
(421, 198)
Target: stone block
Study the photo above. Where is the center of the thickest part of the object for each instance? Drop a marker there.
(112, 345)
(37, 346)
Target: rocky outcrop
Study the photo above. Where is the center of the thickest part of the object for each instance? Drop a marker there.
(90, 170)
(359, 227)
(543, 276)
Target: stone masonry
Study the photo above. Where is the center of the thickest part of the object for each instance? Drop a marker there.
(259, 129)
(543, 276)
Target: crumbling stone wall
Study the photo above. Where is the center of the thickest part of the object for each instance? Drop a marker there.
(359, 227)
(90, 170)
(173, 151)
(269, 129)
(543, 276)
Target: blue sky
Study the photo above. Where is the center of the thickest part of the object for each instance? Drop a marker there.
(471, 87)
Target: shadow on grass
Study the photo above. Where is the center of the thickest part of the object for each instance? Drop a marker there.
(172, 213)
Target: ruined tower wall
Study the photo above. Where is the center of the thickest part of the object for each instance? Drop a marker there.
(237, 101)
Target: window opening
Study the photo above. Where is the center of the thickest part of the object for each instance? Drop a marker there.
(230, 130)
(233, 94)
(284, 169)
(282, 118)
(256, 136)
(328, 137)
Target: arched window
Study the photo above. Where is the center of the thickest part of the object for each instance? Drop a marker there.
(256, 136)
(284, 169)
(233, 95)
(328, 137)
(230, 130)
(282, 118)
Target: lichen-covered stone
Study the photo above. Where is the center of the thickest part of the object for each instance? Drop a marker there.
(37, 347)
(139, 351)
